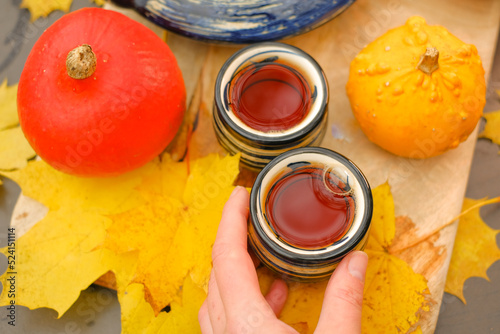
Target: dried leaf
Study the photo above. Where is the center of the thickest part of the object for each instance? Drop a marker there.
(175, 218)
(14, 149)
(56, 190)
(394, 295)
(154, 226)
(492, 127)
(42, 8)
(58, 249)
(138, 316)
(475, 248)
(8, 106)
(155, 223)
(303, 305)
(409, 245)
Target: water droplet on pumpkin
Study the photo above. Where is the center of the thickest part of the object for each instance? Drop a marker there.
(420, 79)
(434, 96)
(382, 68)
(372, 68)
(387, 48)
(422, 37)
(408, 41)
(426, 82)
(105, 57)
(398, 90)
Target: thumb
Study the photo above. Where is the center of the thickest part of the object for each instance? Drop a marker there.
(341, 312)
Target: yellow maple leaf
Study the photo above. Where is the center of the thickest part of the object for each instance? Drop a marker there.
(14, 149)
(8, 107)
(492, 127)
(58, 250)
(155, 223)
(303, 305)
(394, 295)
(138, 316)
(42, 8)
(56, 190)
(141, 225)
(475, 247)
(181, 211)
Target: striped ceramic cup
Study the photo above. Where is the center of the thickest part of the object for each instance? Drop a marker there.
(269, 98)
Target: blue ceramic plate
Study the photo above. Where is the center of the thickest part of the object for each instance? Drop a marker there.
(238, 21)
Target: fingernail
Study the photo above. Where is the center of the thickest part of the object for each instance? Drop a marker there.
(357, 265)
(235, 191)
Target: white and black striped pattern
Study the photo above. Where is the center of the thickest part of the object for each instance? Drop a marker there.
(301, 264)
(259, 148)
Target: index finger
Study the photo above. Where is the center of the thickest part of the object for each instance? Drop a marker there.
(233, 224)
(234, 270)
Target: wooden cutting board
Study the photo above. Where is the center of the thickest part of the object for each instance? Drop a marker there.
(429, 192)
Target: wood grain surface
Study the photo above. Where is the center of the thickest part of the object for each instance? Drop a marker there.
(428, 193)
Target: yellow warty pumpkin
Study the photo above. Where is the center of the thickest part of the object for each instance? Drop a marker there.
(417, 90)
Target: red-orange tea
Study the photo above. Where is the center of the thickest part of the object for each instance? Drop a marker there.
(309, 207)
(270, 97)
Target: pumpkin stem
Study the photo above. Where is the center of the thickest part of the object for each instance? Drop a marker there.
(81, 62)
(429, 61)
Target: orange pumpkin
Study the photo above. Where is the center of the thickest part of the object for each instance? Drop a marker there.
(100, 94)
(417, 91)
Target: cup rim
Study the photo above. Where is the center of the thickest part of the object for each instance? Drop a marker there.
(255, 137)
(313, 256)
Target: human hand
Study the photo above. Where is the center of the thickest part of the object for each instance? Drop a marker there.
(235, 304)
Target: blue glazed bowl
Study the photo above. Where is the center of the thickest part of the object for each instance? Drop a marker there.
(238, 21)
